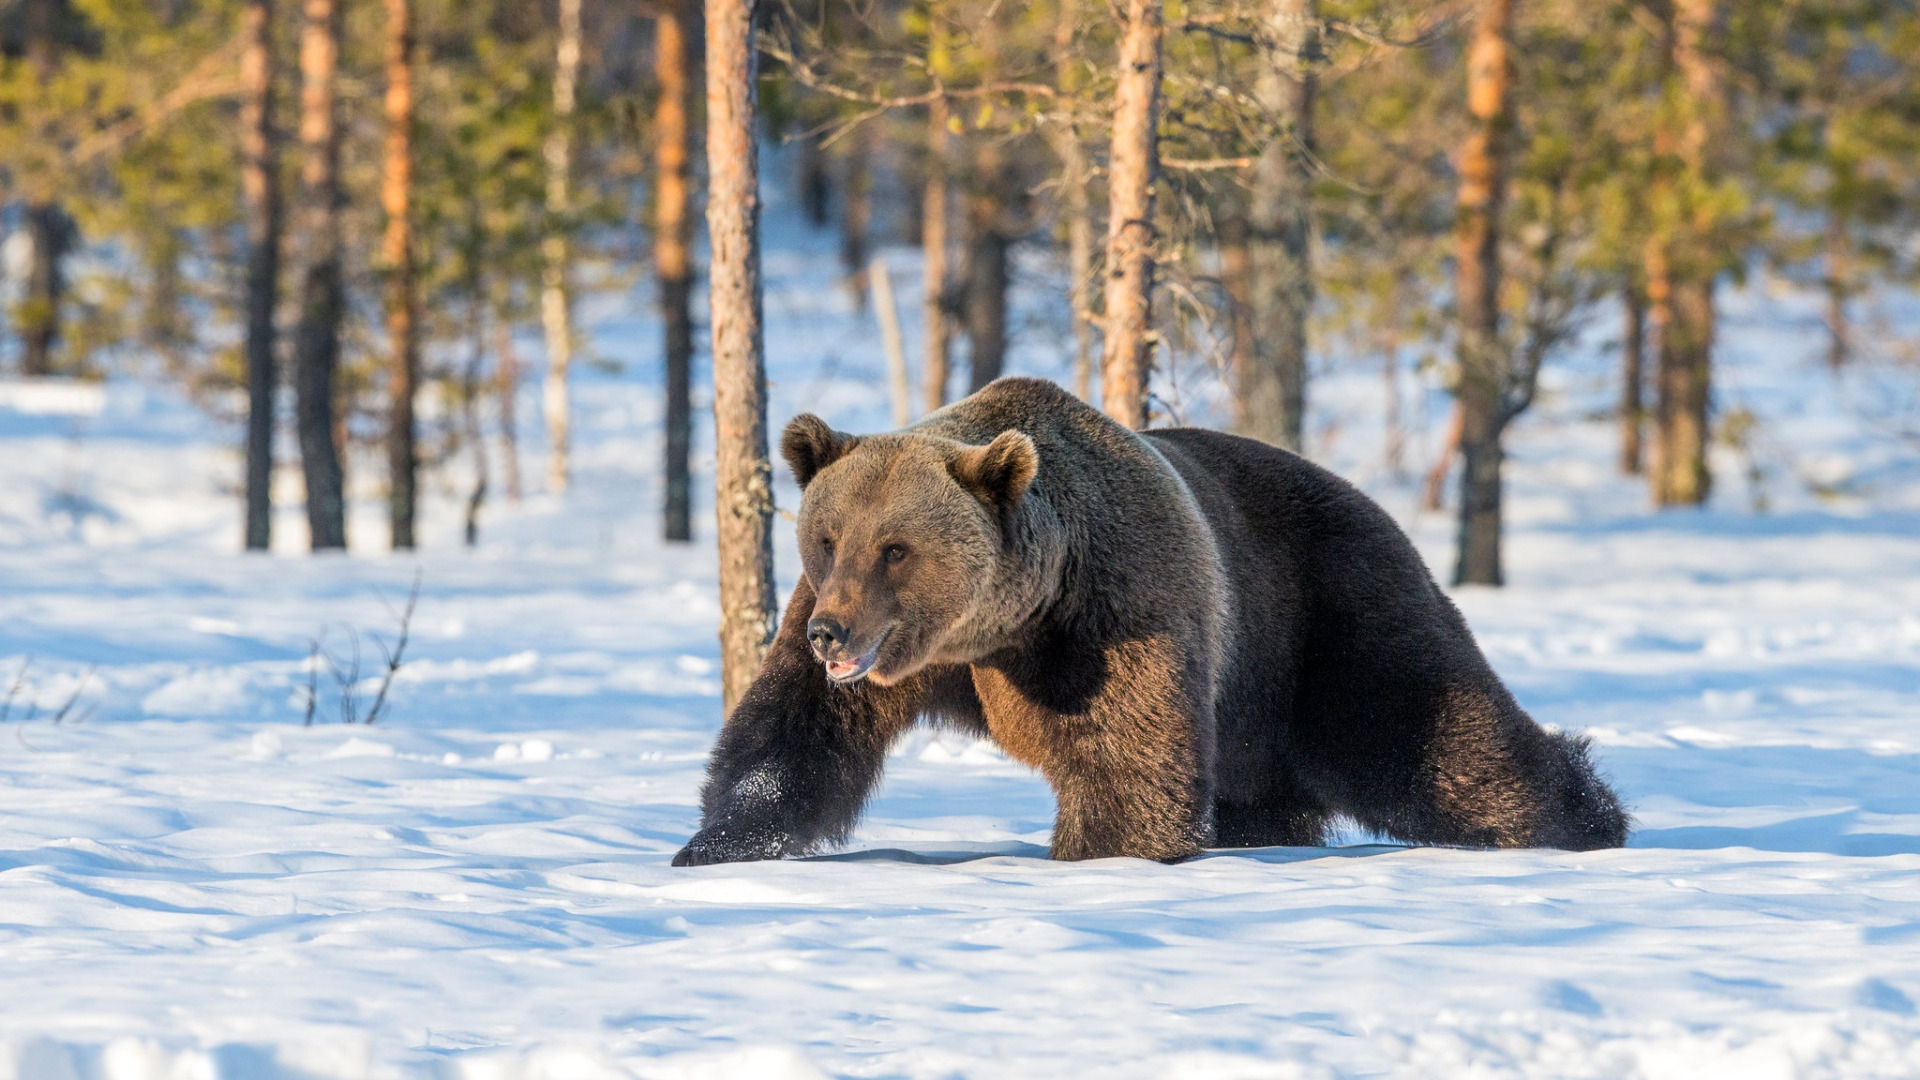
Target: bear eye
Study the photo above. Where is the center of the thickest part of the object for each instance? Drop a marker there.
(826, 545)
(894, 553)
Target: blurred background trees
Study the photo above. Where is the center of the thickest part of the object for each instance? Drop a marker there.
(1282, 185)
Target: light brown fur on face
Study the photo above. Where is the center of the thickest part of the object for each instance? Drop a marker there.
(908, 540)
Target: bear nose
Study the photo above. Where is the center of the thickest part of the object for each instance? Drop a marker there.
(825, 634)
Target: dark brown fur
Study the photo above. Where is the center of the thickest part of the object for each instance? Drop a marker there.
(1195, 638)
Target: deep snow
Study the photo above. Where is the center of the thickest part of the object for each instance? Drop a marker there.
(193, 884)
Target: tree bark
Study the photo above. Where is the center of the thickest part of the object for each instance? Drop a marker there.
(1236, 283)
(507, 389)
(556, 290)
(1075, 176)
(744, 500)
(1281, 234)
(857, 213)
(1633, 351)
(403, 302)
(933, 252)
(1681, 265)
(1838, 283)
(322, 299)
(37, 318)
(1133, 169)
(1483, 366)
(260, 190)
(674, 65)
(986, 269)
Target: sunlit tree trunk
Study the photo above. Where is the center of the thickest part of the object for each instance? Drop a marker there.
(322, 298)
(260, 190)
(403, 303)
(1274, 390)
(556, 287)
(744, 499)
(933, 252)
(1633, 352)
(674, 65)
(1133, 168)
(1483, 184)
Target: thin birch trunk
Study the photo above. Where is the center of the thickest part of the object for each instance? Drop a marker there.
(674, 67)
(891, 340)
(403, 302)
(260, 191)
(322, 294)
(556, 289)
(1133, 168)
(1483, 183)
(744, 500)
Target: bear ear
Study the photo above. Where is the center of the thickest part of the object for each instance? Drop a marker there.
(1000, 472)
(809, 445)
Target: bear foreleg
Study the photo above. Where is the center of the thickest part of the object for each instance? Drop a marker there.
(799, 755)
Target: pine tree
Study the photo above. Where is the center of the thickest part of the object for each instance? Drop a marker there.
(745, 476)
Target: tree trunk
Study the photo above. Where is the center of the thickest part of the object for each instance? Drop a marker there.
(674, 65)
(1236, 284)
(260, 189)
(1633, 351)
(933, 252)
(1681, 265)
(322, 299)
(1133, 169)
(37, 317)
(1483, 184)
(1838, 284)
(506, 380)
(470, 380)
(403, 303)
(1075, 176)
(556, 291)
(744, 500)
(986, 270)
(816, 188)
(1281, 235)
(51, 232)
(857, 213)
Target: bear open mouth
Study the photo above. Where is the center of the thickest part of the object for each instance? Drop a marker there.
(846, 671)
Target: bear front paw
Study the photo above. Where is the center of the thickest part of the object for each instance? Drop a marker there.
(708, 848)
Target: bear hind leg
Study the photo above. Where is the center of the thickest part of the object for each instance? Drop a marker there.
(1489, 776)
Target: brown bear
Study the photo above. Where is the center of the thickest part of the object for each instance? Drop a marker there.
(1197, 639)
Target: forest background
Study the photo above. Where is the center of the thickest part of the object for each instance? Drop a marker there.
(328, 220)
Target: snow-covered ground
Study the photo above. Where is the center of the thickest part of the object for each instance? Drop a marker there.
(193, 883)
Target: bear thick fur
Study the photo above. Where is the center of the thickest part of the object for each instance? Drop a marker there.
(1198, 639)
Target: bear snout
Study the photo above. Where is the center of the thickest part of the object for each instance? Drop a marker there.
(827, 637)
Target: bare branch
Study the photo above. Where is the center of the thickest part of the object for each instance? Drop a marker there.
(398, 654)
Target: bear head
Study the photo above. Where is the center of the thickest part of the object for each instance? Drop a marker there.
(905, 538)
